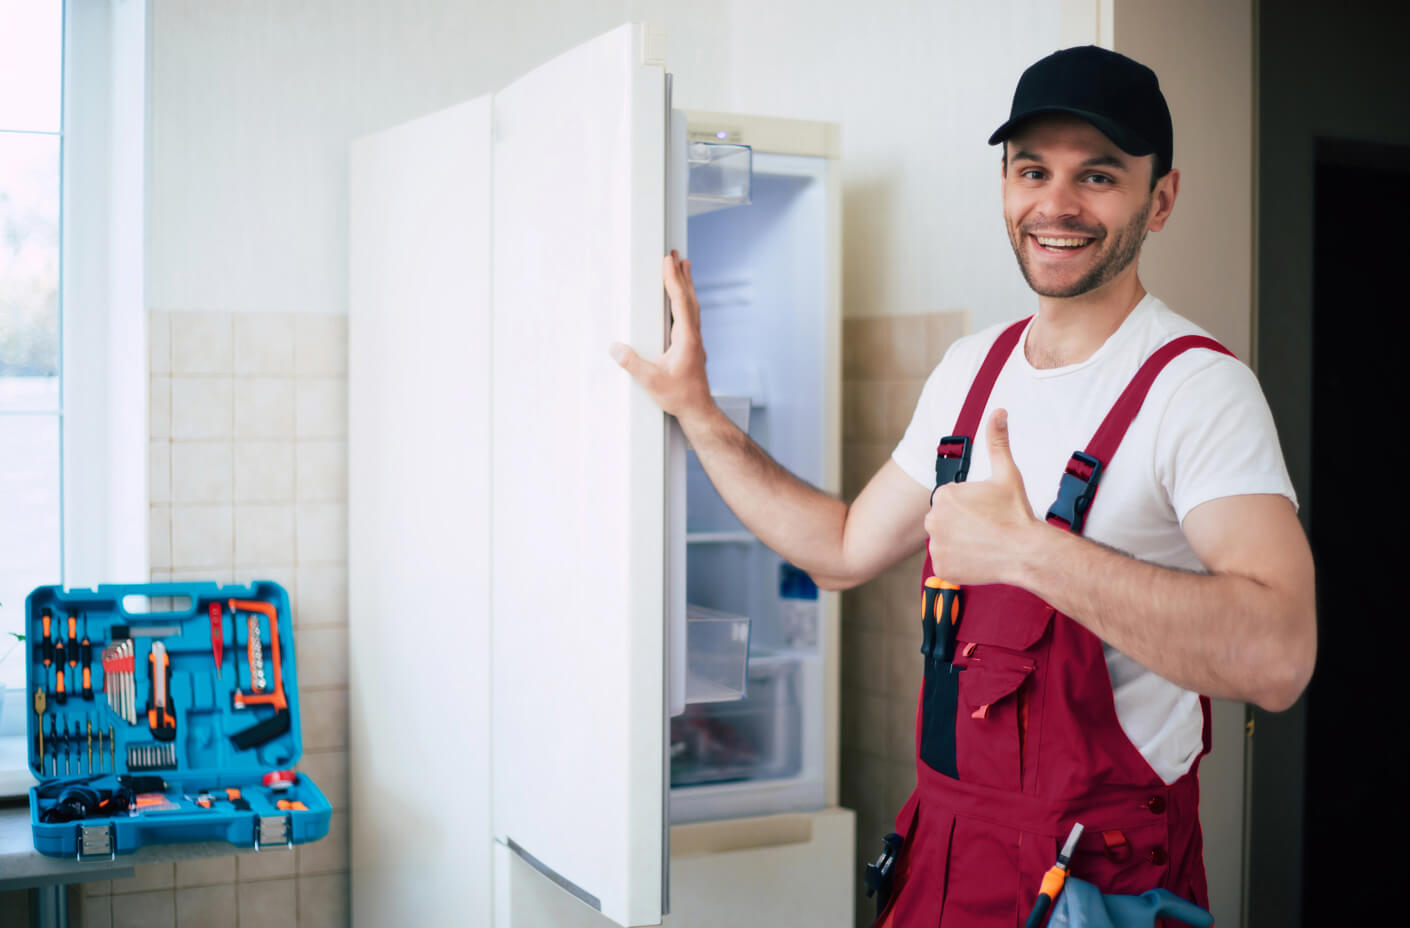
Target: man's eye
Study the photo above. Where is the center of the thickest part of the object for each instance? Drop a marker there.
(1100, 179)
(1031, 174)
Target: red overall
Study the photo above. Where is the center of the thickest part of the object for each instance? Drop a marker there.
(1017, 738)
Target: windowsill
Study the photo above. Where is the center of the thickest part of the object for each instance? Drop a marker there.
(15, 776)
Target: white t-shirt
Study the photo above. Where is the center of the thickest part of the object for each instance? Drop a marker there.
(1204, 432)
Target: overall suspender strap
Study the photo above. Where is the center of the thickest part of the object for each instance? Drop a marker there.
(953, 452)
(1078, 485)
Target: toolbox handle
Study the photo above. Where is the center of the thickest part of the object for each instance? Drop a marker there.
(192, 590)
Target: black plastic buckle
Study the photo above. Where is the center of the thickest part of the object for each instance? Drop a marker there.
(1075, 492)
(952, 459)
(878, 875)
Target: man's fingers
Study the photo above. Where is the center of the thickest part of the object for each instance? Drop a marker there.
(1000, 455)
(631, 362)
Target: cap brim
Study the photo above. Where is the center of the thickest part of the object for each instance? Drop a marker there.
(1126, 140)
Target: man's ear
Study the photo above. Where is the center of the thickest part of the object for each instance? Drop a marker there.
(1163, 200)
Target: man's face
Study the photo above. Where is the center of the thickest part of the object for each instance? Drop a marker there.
(1077, 207)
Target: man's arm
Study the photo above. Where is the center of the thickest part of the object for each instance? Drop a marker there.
(838, 545)
(1246, 630)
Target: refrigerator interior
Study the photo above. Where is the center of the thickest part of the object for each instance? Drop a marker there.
(759, 271)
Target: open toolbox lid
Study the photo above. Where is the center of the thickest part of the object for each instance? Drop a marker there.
(239, 723)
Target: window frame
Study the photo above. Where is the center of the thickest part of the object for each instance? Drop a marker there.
(104, 357)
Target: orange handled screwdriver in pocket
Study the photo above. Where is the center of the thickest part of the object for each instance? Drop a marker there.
(939, 619)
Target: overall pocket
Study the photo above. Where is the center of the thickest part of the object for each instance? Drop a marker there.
(988, 725)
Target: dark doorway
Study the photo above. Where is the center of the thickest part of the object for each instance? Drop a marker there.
(1356, 698)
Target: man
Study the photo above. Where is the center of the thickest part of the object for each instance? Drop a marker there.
(1066, 686)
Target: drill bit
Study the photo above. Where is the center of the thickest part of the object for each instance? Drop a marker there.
(112, 748)
(90, 746)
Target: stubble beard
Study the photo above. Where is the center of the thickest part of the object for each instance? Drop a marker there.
(1123, 249)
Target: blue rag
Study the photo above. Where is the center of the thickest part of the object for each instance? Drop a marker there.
(1082, 905)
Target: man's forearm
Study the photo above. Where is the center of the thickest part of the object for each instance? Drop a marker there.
(799, 521)
(1222, 635)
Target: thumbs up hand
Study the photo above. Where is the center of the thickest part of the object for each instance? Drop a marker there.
(977, 529)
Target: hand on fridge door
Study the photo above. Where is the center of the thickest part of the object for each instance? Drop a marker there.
(677, 381)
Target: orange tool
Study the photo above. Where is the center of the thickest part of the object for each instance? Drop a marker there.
(1054, 879)
(48, 645)
(217, 637)
(270, 728)
(61, 695)
(86, 661)
(73, 639)
(940, 598)
(159, 716)
(287, 804)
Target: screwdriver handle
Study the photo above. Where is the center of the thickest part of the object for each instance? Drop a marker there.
(60, 693)
(73, 639)
(86, 660)
(940, 600)
(48, 639)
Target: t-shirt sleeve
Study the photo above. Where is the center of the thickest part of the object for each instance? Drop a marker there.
(1217, 439)
(915, 454)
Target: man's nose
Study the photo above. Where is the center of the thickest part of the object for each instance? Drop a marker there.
(1060, 201)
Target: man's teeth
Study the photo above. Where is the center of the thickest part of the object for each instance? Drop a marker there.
(1061, 242)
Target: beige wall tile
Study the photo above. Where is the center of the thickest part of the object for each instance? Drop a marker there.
(147, 877)
(286, 576)
(324, 714)
(264, 534)
(97, 887)
(159, 471)
(324, 901)
(264, 471)
(201, 407)
(321, 343)
(865, 343)
(202, 536)
(328, 854)
(331, 647)
(322, 531)
(943, 329)
(322, 471)
(95, 912)
(202, 472)
(202, 343)
(159, 406)
(908, 352)
(145, 910)
(272, 863)
(268, 904)
(863, 659)
(323, 595)
(899, 721)
(903, 662)
(204, 871)
(206, 907)
(264, 408)
(264, 343)
(329, 770)
(159, 537)
(321, 408)
(158, 342)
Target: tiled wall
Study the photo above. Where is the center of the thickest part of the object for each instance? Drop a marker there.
(248, 464)
(885, 362)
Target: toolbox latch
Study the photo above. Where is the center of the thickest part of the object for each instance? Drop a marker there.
(95, 841)
(274, 830)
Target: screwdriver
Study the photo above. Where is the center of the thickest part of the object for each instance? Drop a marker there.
(948, 596)
(86, 659)
(60, 695)
(217, 636)
(73, 639)
(1054, 879)
(48, 645)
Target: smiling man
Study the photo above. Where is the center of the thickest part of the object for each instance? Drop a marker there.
(1076, 635)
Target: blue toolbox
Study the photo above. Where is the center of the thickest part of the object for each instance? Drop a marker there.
(165, 712)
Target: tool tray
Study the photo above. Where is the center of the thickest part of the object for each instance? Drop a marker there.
(123, 765)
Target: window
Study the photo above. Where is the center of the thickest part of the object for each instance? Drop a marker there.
(31, 499)
(73, 425)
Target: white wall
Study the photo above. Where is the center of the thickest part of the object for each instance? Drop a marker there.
(253, 105)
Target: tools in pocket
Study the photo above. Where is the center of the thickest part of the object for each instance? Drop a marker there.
(160, 716)
(118, 667)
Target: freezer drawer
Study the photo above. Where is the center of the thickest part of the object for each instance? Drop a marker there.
(757, 738)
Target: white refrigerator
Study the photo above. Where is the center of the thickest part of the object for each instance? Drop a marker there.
(582, 693)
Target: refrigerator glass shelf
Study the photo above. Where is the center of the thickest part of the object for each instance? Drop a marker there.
(717, 655)
(720, 538)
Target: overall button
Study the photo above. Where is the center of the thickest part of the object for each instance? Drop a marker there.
(1158, 856)
(1156, 804)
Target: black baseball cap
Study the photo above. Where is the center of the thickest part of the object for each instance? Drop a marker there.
(1118, 95)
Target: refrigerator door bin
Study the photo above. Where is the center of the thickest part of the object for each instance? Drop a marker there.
(720, 176)
(756, 738)
(717, 655)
